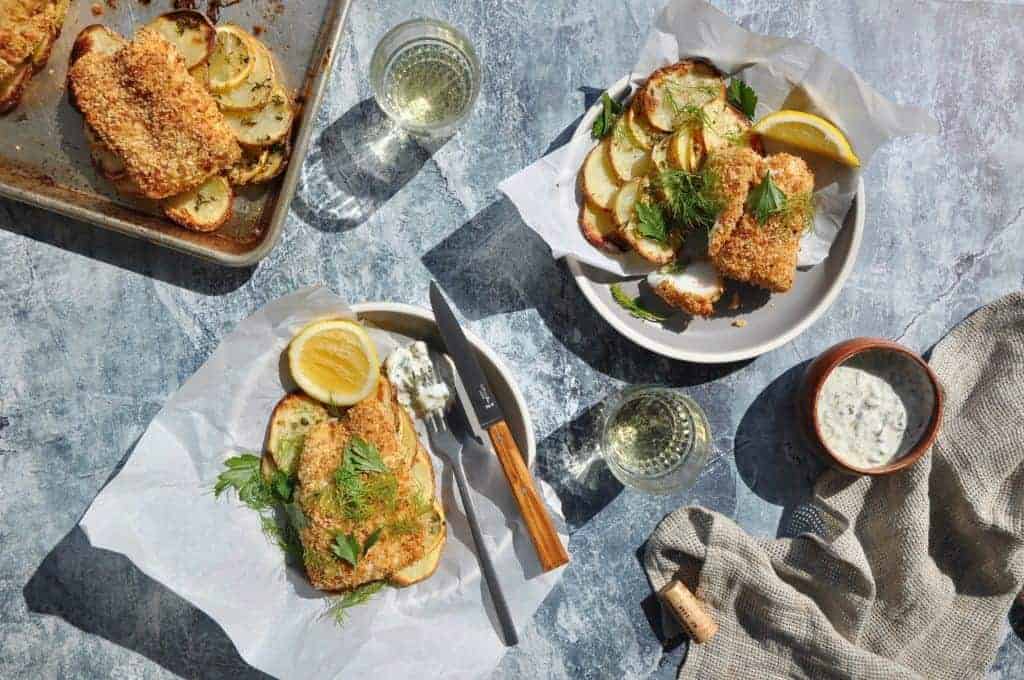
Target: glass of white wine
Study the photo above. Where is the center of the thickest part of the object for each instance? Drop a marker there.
(655, 439)
(425, 76)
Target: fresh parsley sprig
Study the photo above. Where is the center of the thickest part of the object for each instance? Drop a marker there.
(244, 476)
(364, 457)
(766, 199)
(742, 96)
(605, 121)
(346, 546)
(650, 221)
(633, 305)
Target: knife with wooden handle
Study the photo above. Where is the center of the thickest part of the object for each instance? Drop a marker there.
(546, 541)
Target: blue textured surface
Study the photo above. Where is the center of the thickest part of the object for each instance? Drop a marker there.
(98, 329)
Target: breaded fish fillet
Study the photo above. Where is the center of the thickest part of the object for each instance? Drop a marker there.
(404, 517)
(24, 25)
(764, 255)
(147, 109)
(736, 169)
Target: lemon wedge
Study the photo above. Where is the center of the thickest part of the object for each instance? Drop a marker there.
(808, 132)
(334, 361)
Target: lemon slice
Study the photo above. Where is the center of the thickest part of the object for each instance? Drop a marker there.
(232, 58)
(808, 132)
(334, 361)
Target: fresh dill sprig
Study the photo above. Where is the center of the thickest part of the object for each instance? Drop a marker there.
(692, 200)
(338, 609)
(802, 207)
(605, 121)
(633, 306)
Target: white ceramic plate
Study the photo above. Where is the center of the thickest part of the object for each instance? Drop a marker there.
(418, 323)
(770, 322)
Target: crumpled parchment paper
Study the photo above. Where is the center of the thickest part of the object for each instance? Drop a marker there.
(160, 512)
(786, 73)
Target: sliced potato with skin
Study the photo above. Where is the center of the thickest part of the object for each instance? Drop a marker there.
(727, 126)
(598, 179)
(642, 133)
(107, 162)
(12, 87)
(190, 32)
(254, 91)
(201, 72)
(96, 38)
(232, 59)
(685, 150)
(598, 227)
(649, 249)
(204, 208)
(659, 155)
(627, 159)
(625, 202)
(265, 126)
(274, 162)
(248, 166)
(687, 83)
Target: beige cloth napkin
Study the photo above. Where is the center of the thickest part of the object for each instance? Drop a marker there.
(910, 575)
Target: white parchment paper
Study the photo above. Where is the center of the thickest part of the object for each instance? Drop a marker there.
(786, 73)
(160, 512)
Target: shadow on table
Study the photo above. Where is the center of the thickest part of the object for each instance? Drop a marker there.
(358, 163)
(773, 458)
(103, 593)
(495, 264)
(123, 252)
(569, 460)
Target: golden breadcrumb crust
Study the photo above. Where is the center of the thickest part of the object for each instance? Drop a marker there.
(144, 105)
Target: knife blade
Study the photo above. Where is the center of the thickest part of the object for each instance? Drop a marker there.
(548, 545)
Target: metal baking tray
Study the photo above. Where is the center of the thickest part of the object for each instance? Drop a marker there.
(44, 158)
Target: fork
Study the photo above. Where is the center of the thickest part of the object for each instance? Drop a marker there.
(444, 442)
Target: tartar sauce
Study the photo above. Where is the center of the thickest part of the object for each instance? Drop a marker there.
(409, 370)
(874, 407)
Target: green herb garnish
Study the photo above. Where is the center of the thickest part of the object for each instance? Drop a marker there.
(340, 605)
(605, 121)
(766, 199)
(243, 475)
(633, 306)
(346, 547)
(650, 222)
(742, 96)
(364, 457)
(691, 199)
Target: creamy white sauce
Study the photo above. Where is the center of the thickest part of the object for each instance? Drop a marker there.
(874, 407)
(409, 370)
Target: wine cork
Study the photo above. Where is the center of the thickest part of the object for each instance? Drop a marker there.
(689, 611)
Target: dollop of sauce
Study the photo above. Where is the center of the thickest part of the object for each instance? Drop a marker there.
(874, 407)
(410, 371)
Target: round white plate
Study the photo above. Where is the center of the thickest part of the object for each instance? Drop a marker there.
(418, 323)
(770, 322)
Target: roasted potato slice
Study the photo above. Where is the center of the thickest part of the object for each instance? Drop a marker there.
(649, 249)
(106, 161)
(421, 569)
(204, 208)
(598, 227)
(640, 130)
(247, 167)
(292, 419)
(265, 126)
(727, 126)
(685, 150)
(628, 160)
(598, 179)
(12, 87)
(96, 38)
(233, 57)
(669, 89)
(255, 90)
(274, 162)
(190, 32)
(659, 155)
(625, 201)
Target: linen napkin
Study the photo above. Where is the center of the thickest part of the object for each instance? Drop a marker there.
(909, 575)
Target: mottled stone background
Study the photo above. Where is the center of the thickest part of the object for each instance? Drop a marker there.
(97, 330)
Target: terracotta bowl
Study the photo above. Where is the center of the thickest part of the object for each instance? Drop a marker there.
(811, 385)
